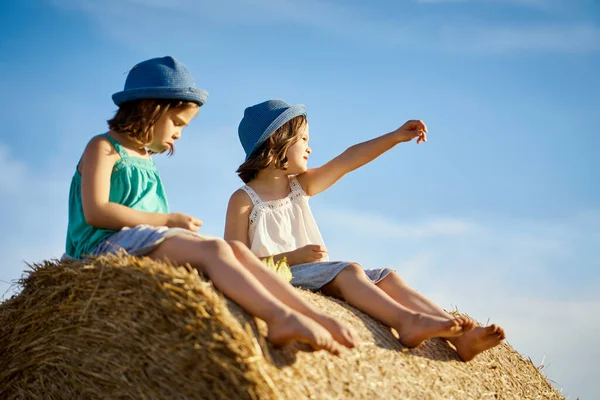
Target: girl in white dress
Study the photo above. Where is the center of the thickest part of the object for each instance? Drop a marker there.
(271, 215)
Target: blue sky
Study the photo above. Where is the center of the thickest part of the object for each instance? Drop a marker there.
(498, 214)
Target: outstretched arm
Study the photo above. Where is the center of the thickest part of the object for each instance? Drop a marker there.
(95, 168)
(317, 180)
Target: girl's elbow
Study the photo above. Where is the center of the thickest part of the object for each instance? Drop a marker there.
(229, 236)
(234, 236)
(92, 217)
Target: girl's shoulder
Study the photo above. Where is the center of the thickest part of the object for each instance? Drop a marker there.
(113, 146)
(100, 145)
(99, 150)
(99, 141)
(296, 185)
(240, 199)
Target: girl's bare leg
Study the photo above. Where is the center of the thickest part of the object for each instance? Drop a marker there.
(475, 340)
(217, 260)
(286, 293)
(413, 327)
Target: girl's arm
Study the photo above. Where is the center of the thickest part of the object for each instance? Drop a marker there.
(317, 180)
(237, 222)
(95, 168)
(237, 218)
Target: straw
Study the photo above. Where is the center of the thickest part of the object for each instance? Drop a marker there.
(122, 327)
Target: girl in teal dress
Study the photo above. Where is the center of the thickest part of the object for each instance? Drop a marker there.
(117, 202)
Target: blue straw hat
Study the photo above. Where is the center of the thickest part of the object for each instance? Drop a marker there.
(262, 120)
(160, 78)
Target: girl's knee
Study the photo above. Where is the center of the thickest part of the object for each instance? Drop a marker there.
(190, 248)
(354, 270)
(236, 245)
(394, 276)
(216, 246)
(351, 273)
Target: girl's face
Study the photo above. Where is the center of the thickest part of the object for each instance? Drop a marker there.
(168, 129)
(298, 153)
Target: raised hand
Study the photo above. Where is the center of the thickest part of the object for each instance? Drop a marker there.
(178, 220)
(412, 129)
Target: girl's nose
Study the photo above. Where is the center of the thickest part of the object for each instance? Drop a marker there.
(176, 135)
(308, 150)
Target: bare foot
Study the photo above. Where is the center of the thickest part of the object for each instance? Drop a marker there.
(340, 332)
(478, 340)
(422, 327)
(468, 325)
(295, 326)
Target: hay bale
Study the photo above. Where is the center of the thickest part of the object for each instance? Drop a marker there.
(122, 327)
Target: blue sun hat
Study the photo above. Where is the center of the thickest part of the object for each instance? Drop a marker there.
(160, 78)
(262, 120)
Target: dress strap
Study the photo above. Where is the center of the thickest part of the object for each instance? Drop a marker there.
(252, 194)
(296, 187)
(118, 147)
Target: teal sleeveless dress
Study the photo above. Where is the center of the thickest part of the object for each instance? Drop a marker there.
(134, 183)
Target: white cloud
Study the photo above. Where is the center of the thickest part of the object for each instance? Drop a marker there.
(531, 3)
(466, 34)
(559, 38)
(33, 209)
(13, 172)
(379, 226)
(161, 4)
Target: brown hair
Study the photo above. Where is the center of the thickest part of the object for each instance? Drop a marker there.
(135, 118)
(273, 150)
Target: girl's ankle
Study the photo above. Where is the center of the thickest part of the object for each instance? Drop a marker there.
(276, 314)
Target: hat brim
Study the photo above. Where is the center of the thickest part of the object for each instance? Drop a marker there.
(192, 94)
(292, 112)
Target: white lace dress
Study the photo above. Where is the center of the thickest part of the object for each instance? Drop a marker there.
(287, 224)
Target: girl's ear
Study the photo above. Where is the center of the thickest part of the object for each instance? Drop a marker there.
(284, 162)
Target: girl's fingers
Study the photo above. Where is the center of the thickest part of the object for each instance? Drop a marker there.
(416, 124)
(421, 125)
